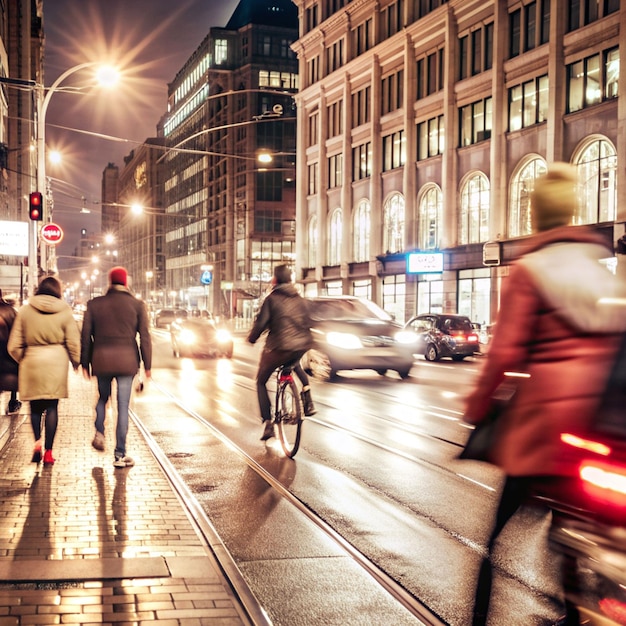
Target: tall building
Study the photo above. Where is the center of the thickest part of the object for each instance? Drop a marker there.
(422, 125)
(140, 238)
(21, 65)
(231, 218)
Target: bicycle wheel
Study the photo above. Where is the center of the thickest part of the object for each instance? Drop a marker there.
(289, 417)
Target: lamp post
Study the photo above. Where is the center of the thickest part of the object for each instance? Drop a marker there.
(44, 94)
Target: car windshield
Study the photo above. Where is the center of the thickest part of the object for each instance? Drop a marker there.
(347, 309)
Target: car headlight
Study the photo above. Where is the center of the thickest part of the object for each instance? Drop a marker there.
(345, 341)
(187, 337)
(406, 337)
(222, 335)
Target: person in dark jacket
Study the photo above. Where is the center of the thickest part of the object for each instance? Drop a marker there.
(284, 315)
(8, 365)
(109, 350)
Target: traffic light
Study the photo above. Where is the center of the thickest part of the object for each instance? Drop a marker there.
(36, 206)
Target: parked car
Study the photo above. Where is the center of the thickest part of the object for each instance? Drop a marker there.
(164, 317)
(199, 337)
(355, 334)
(443, 335)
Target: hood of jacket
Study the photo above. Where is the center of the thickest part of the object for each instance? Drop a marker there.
(565, 264)
(47, 304)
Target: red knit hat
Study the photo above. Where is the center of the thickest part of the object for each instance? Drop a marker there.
(118, 276)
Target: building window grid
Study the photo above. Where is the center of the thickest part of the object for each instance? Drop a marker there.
(334, 56)
(393, 224)
(529, 27)
(313, 241)
(363, 39)
(430, 74)
(392, 92)
(394, 150)
(335, 171)
(597, 173)
(528, 103)
(430, 216)
(361, 109)
(474, 216)
(430, 138)
(584, 12)
(590, 81)
(362, 161)
(361, 232)
(476, 51)
(335, 237)
(475, 122)
(522, 185)
(335, 118)
(313, 178)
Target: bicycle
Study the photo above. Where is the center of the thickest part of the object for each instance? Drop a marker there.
(287, 410)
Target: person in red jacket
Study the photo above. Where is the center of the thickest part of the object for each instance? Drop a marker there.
(559, 341)
(284, 316)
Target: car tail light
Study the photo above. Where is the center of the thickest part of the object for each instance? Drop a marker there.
(604, 481)
(472, 338)
(614, 609)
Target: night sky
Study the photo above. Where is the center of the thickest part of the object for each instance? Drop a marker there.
(151, 39)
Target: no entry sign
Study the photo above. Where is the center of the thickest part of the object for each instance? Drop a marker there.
(52, 234)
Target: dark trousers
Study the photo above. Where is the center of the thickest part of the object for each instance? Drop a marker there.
(519, 490)
(51, 408)
(270, 360)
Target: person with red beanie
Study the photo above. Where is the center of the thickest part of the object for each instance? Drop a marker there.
(109, 350)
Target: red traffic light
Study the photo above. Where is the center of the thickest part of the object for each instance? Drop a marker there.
(35, 207)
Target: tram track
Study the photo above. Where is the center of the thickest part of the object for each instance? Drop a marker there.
(249, 599)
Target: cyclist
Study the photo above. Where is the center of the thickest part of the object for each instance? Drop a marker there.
(284, 315)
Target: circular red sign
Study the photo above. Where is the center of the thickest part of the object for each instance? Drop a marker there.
(52, 234)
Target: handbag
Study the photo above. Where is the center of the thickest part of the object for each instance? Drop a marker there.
(481, 439)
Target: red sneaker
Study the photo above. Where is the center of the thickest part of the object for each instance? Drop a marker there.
(47, 458)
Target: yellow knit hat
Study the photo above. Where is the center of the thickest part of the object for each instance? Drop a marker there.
(554, 200)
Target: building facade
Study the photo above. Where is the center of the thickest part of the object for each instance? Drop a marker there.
(231, 218)
(422, 125)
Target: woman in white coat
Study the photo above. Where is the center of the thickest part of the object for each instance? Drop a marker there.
(44, 340)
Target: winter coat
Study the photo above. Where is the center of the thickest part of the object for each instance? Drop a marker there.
(553, 331)
(284, 315)
(8, 365)
(109, 334)
(44, 340)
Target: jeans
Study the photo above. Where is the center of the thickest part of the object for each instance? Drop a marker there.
(124, 389)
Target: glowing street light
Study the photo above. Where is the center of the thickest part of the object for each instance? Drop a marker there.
(105, 76)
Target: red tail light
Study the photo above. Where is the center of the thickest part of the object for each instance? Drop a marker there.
(585, 444)
(605, 481)
(472, 338)
(614, 609)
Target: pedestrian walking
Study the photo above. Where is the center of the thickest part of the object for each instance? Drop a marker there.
(285, 317)
(8, 365)
(109, 350)
(44, 340)
(559, 341)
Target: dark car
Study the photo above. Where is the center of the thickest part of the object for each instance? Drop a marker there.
(355, 334)
(442, 335)
(164, 317)
(200, 338)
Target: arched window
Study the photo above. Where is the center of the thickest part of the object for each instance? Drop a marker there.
(597, 173)
(522, 185)
(429, 236)
(393, 233)
(474, 222)
(361, 232)
(334, 239)
(313, 242)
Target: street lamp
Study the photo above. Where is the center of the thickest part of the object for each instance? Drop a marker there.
(105, 76)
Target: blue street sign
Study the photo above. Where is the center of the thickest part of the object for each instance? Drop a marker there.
(207, 277)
